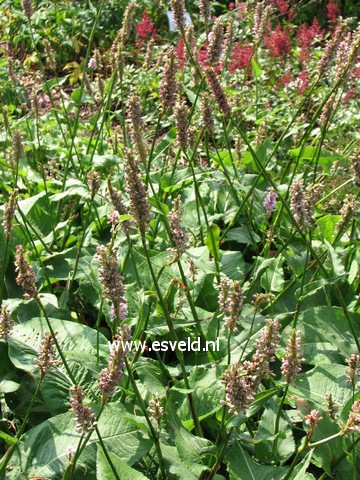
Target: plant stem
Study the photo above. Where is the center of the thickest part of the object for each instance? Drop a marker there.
(7, 457)
(145, 413)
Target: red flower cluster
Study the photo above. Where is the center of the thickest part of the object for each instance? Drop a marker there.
(281, 5)
(333, 11)
(303, 81)
(145, 30)
(180, 52)
(306, 35)
(241, 56)
(278, 42)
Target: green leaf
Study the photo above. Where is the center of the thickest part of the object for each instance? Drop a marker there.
(9, 440)
(285, 445)
(233, 265)
(42, 449)
(212, 240)
(124, 471)
(242, 235)
(273, 278)
(326, 336)
(194, 452)
(241, 466)
(300, 470)
(317, 383)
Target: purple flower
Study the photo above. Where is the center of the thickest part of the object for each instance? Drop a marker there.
(270, 201)
(84, 415)
(113, 219)
(177, 233)
(6, 323)
(46, 359)
(231, 302)
(136, 189)
(111, 375)
(112, 281)
(156, 410)
(354, 369)
(26, 277)
(291, 364)
(353, 424)
(92, 63)
(239, 394)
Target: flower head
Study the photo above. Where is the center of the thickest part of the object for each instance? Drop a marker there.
(347, 211)
(168, 83)
(177, 232)
(27, 7)
(156, 410)
(353, 423)
(93, 178)
(216, 43)
(207, 113)
(354, 369)
(133, 110)
(119, 206)
(6, 323)
(18, 147)
(217, 91)
(46, 358)
(312, 419)
(300, 206)
(270, 201)
(139, 207)
(92, 63)
(84, 415)
(178, 8)
(259, 367)
(9, 213)
(111, 280)
(239, 394)
(25, 276)
(205, 11)
(111, 375)
(182, 124)
(331, 408)
(291, 364)
(231, 302)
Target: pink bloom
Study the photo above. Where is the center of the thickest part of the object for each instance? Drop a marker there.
(241, 8)
(333, 11)
(286, 78)
(305, 37)
(303, 81)
(357, 73)
(180, 51)
(278, 42)
(145, 29)
(281, 5)
(241, 57)
(231, 6)
(92, 63)
(350, 95)
(270, 201)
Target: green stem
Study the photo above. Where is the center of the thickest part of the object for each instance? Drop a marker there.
(3, 270)
(7, 457)
(174, 337)
(154, 435)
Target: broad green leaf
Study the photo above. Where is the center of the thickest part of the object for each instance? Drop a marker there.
(233, 265)
(212, 240)
(194, 451)
(42, 451)
(123, 470)
(241, 466)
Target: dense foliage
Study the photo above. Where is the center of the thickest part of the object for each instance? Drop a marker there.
(197, 185)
